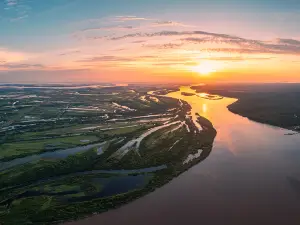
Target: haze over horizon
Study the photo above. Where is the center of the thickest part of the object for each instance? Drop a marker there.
(92, 41)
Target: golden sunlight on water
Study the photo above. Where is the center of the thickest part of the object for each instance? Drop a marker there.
(215, 110)
(211, 109)
(204, 108)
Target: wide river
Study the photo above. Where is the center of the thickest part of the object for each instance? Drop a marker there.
(252, 177)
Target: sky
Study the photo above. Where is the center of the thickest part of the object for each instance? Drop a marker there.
(86, 41)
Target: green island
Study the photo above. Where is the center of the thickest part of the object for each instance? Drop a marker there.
(69, 153)
(187, 94)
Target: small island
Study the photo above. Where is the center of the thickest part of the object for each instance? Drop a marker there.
(187, 94)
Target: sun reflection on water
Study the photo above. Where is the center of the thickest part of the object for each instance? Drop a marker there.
(204, 108)
(214, 108)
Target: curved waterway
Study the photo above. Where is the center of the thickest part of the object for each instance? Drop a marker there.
(252, 177)
(58, 154)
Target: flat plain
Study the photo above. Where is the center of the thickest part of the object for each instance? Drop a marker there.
(69, 153)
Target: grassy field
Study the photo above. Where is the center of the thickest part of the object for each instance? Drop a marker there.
(53, 190)
(20, 149)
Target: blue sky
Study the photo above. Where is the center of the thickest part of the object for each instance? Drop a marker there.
(36, 32)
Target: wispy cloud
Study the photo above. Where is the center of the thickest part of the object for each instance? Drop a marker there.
(238, 58)
(106, 58)
(117, 27)
(224, 39)
(177, 64)
(10, 3)
(236, 50)
(72, 52)
(19, 9)
(288, 41)
(15, 19)
(284, 46)
(164, 46)
(112, 58)
(125, 23)
(138, 41)
(166, 23)
(175, 33)
(129, 18)
(21, 66)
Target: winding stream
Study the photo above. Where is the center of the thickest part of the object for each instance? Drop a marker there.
(251, 177)
(58, 154)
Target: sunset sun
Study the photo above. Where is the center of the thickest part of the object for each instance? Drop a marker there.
(205, 68)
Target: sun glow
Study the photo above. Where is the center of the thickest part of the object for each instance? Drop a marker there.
(205, 68)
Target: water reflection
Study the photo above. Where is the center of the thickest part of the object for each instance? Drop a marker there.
(204, 109)
(214, 110)
(58, 154)
(234, 132)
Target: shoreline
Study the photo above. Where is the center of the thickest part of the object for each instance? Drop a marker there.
(239, 100)
(258, 121)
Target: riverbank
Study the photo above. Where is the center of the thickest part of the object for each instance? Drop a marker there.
(271, 104)
(266, 119)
